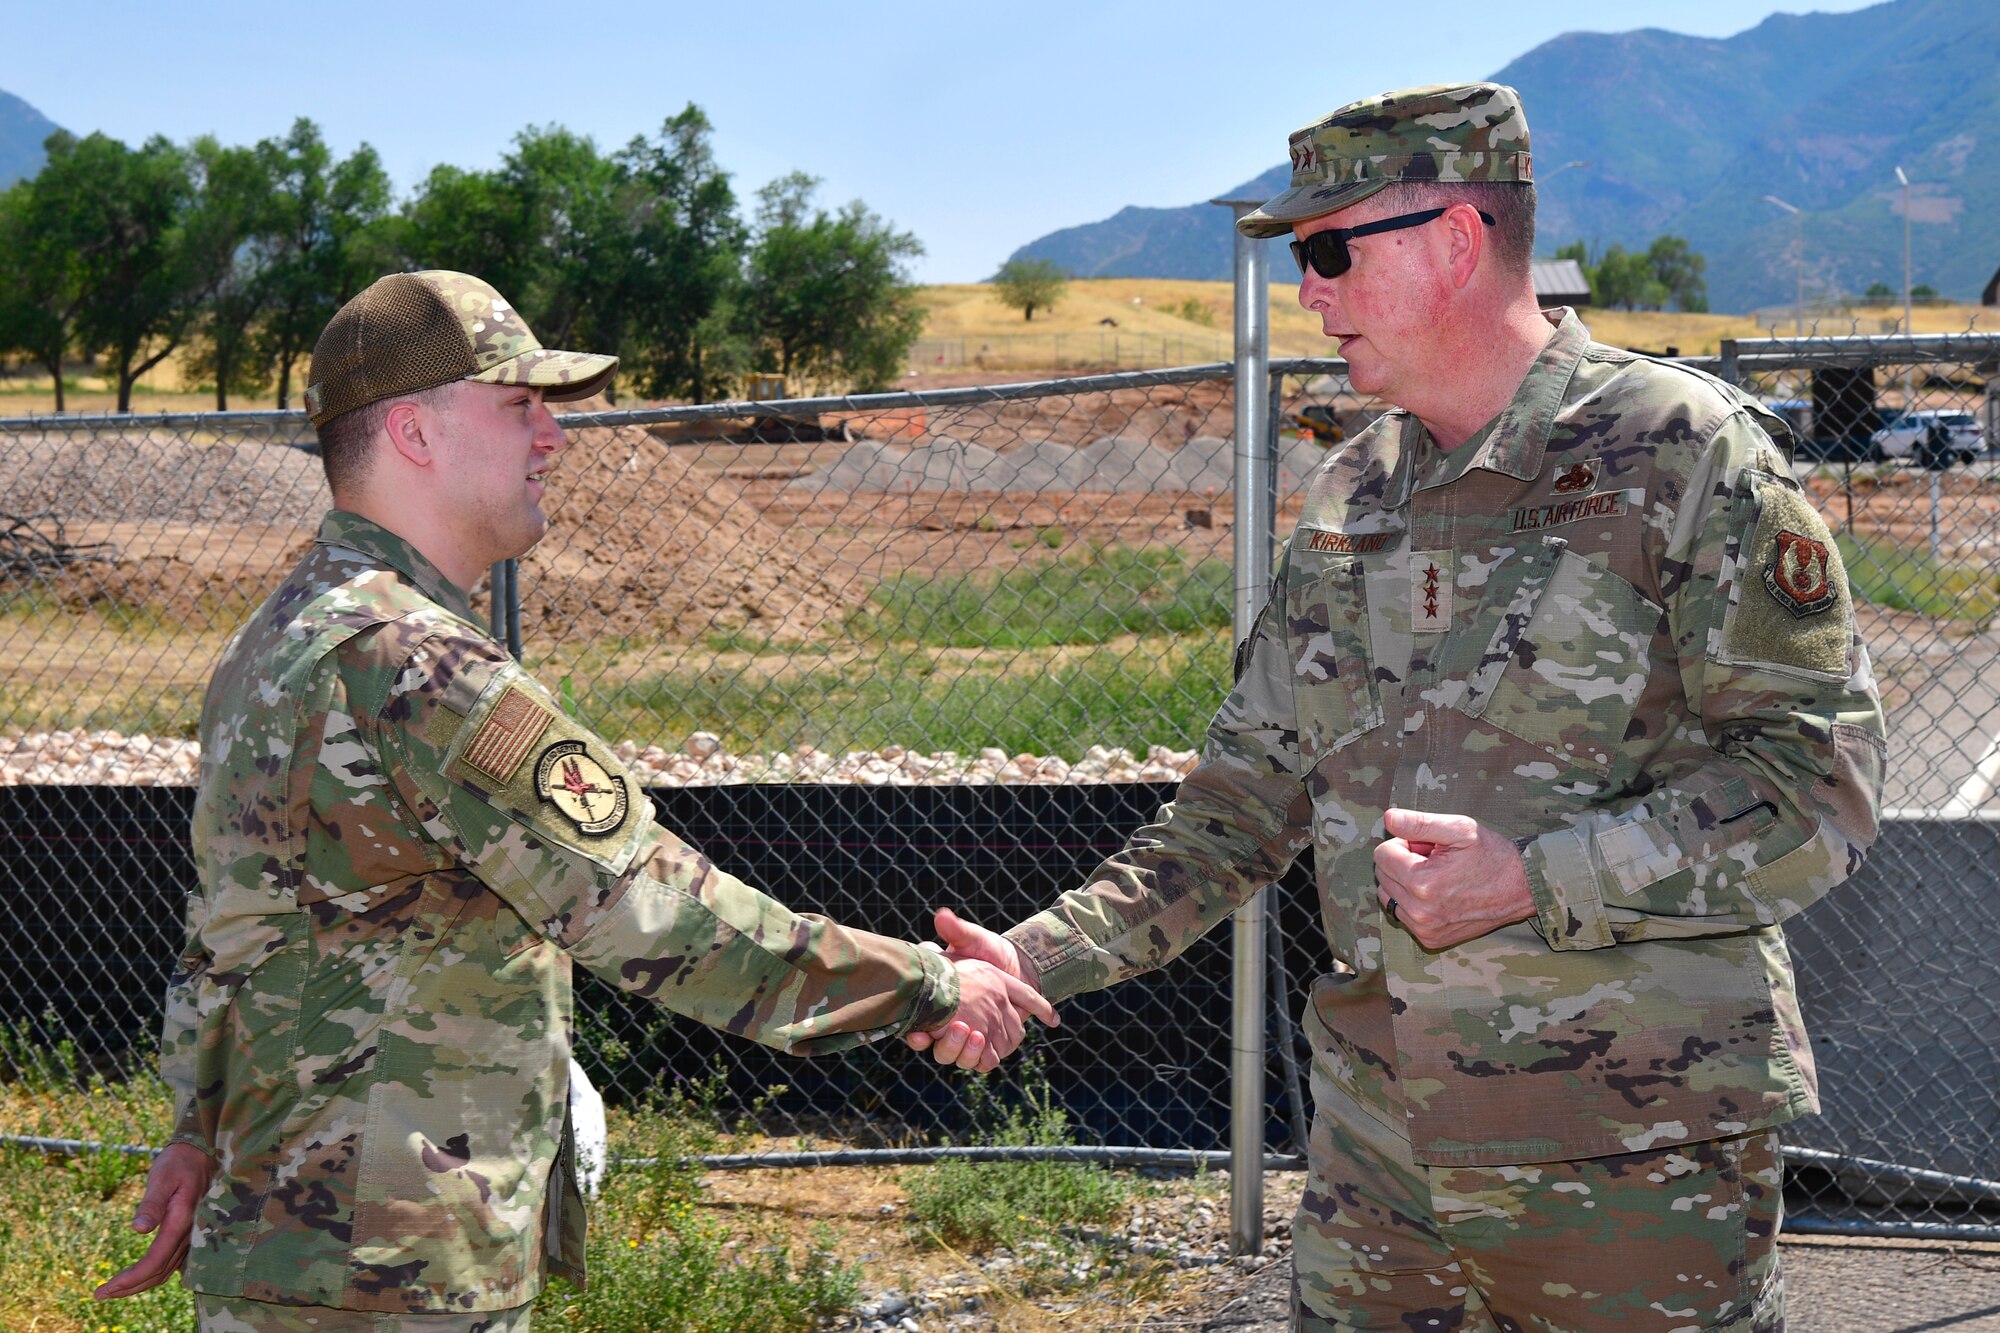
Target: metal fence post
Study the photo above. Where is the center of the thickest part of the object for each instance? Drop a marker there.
(1252, 551)
(505, 585)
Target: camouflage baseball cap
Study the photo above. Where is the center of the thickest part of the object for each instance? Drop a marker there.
(1439, 132)
(412, 331)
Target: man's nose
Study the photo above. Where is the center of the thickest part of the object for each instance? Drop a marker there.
(1317, 293)
(549, 437)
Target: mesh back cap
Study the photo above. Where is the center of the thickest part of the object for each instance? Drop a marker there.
(412, 331)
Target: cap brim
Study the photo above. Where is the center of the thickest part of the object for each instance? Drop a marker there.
(563, 376)
(1301, 203)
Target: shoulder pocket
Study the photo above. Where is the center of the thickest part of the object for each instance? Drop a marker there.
(1789, 607)
(524, 758)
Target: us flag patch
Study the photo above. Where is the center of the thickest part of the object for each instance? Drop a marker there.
(505, 737)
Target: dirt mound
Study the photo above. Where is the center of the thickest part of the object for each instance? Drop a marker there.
(1163, 414)
(1116, 464)
(156, 475)
(201, 530)
(642, 536)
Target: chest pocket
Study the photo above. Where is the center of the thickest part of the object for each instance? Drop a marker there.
(1333, 677)
(1568, 660)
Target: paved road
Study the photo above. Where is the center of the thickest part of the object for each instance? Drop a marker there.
(1833, 1286)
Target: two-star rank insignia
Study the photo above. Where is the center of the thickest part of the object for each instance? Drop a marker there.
(1430, 591)
(583, 790)
(1798, 575)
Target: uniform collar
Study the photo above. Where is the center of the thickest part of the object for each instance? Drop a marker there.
(355, 533)
(1514, 442)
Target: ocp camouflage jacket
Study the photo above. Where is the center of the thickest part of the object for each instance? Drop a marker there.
(402, 843)
(1610, 627)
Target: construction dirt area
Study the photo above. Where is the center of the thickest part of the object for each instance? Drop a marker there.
(776, 530)
(666, 533)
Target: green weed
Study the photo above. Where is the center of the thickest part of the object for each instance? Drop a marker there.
(980, 1205)
(1156, 689)
(1909, 580)
(658, 1260)
(1087, 596)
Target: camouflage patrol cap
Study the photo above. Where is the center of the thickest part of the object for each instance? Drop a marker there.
(1439, 132)
(412, 331)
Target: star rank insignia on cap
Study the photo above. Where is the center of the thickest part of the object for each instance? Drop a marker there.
(1430, 592)
(1798, 575)
(583, 790)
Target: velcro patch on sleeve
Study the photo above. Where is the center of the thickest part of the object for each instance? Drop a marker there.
(505, 737)
(524, 758)
(1792, 608)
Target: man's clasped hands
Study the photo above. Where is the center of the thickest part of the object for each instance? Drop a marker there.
(1443, 878)
(997, 995)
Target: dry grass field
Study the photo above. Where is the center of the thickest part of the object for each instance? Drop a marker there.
(1098, 323)
(1160, 309)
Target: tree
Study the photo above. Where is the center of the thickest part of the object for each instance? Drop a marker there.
(142, 284)
(1024, 284)
(638, 253)
(1669, 270)
(1923, 291)
(328, 239)
(229, 240)
(688, 312)
(1626, 281)
(828, 296)
(1678, 269)
(1879, 291)
(44, 233)
(469, 221)
(549, 229)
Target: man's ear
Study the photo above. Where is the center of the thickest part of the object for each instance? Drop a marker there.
(408, 431)
(1468, 242)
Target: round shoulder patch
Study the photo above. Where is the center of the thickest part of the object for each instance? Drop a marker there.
(587, 794)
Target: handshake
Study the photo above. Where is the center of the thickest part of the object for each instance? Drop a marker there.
(997, 994)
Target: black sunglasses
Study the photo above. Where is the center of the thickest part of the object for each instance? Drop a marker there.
(1326, 251)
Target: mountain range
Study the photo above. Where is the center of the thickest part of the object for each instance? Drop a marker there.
(22, 130)
(1688, 134)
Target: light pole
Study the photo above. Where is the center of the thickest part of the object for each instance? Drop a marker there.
(1905, 180)
(1799, 301)
(1909, 399)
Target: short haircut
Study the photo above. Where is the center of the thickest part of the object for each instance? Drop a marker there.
(346, 442)
(1511, 205)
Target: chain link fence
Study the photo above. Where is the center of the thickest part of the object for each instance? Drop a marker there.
(884, 653)
(1106, 348)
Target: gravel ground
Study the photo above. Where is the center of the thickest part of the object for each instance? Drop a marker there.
(1833, 1285)
(109, 758)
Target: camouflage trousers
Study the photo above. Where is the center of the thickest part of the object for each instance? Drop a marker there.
(1671, 1241)
(222, 1314)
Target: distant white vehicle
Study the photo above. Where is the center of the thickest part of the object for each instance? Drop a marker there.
(1931, 438)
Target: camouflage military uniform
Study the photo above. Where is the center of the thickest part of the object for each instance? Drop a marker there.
(403, 844)
(1609, 627)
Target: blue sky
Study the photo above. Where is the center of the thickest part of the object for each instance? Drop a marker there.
(978, 128)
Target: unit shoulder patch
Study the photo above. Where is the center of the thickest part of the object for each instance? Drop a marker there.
(1790, 607)
(1798, 573)
(581, 789)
